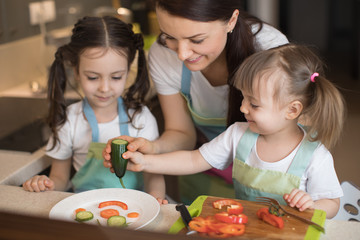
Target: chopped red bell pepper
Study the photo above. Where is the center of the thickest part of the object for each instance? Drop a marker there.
(198, 224)
(233, 229)
(266, 216)
(233, 206)
(113, 203)
(231, 218)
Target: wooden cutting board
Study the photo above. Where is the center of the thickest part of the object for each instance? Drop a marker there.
(255, 228)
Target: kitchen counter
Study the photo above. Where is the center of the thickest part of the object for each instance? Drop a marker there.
(16, 200)
(17, 167)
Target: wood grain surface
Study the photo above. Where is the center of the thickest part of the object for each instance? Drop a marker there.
(258, 229)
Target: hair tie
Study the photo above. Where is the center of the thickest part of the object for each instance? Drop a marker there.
(313, 76)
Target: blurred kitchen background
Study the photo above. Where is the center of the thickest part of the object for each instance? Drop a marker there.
(30, 32)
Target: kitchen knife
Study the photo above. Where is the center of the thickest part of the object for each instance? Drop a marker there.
(186, 217)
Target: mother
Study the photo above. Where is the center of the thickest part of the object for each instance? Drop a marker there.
(202, 43)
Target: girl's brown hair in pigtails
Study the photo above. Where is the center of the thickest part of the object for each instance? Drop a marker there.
(56, 89)
(135, 95)
(326, 111)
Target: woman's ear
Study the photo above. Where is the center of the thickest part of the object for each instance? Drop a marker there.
(294, 110)
(233, 20)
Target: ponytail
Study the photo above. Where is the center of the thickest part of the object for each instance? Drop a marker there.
(135, 95)
(56, 89)
(326, 112)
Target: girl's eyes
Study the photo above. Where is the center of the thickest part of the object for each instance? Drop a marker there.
(95, 78)
(92, 78)
(117, 78)
(253, 105)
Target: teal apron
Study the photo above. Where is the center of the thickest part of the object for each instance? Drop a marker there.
(251, 182)
(213, 182)
(93, 175)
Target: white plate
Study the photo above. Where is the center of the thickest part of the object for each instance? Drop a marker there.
(137, 201)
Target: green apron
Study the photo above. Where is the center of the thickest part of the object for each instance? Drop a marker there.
(211, 182)
(93, 175)
(251, 182)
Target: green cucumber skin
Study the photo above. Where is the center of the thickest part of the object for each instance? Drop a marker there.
(116, 221)
(84, 216)
(118, 162)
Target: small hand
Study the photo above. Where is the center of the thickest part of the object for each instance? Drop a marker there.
(39, 184)
(135, 144)
(162, 201)
(300, 199)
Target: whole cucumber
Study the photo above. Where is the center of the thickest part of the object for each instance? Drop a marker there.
(118, 147)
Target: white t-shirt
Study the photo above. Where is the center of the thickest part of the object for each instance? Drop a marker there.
(208, 101)
(319, 180)
(75, 134)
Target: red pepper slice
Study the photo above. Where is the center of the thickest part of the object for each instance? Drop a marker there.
(233, 206)
(113, 203)
(198, 224)
(228, 218)
(215, 226)
(233, 229)
(266, 216)
(218, 235)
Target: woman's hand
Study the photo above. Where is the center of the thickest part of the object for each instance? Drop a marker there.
(300, 199)
(135, 144)
(39, 184)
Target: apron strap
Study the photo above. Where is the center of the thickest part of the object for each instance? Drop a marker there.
(246, 142)
(302, 158)
(91, 118)
(186, 82)
(298, 164)
(123, 118)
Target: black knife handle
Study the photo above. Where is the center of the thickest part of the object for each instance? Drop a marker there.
(185, 215)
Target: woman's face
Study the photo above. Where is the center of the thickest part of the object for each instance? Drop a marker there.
(197, 44)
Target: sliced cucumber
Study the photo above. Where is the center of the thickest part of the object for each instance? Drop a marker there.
(84, 216)
(116, 221)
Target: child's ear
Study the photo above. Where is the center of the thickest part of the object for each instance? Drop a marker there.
(294, 110)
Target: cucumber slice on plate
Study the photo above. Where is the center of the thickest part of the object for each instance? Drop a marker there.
(84, 216)
(116, 221)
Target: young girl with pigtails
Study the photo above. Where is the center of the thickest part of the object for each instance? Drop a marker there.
(272, 154)
(100, 52)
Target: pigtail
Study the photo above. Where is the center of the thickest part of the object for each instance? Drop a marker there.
(326, 111)
(56, 89)
(136, 94)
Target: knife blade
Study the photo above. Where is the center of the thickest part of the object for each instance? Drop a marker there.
(185, 216)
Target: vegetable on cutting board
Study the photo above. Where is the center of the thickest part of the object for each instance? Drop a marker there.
(265, 215)
(233, 206)
(118, 147)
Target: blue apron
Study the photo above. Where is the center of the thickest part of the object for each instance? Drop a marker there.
(212, 183)
(93, 175)
(251, 182)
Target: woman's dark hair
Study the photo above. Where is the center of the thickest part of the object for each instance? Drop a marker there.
(92, 32)
(239, 45)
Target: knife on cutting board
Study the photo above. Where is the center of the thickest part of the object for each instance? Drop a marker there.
(185, 216)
